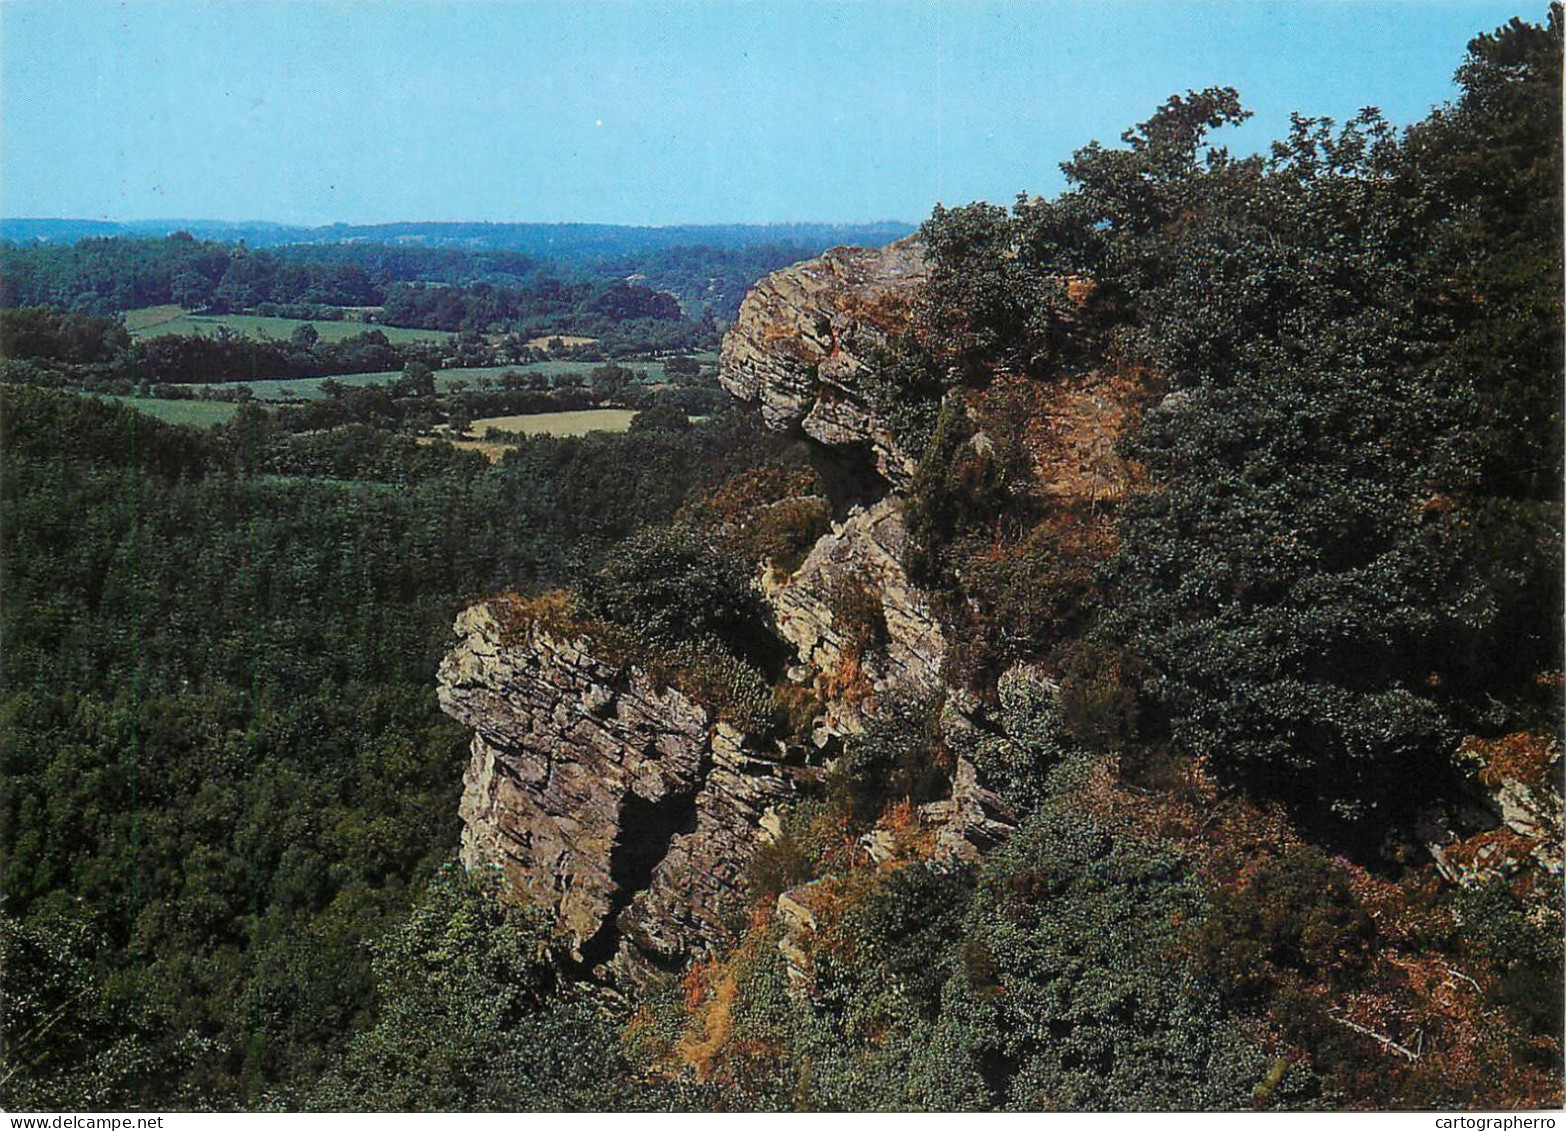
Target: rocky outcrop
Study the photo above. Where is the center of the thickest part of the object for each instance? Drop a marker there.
(859, 627)
(806, 334)
(801, 911)
(623, 805)
(629, 808)
(955, 831)
(1514, 780)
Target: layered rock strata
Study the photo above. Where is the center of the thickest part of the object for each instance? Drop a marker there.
(858, 562)
(805, 336)
(627, 807)
(621, 804)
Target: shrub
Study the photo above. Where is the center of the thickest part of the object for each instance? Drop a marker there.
(794, 857)
(671, 586)
(770, 513)
(907, 926)
(1099, 697)
(1098, 1009)
(1524, 947)
(858, 616)
(1022, 599)
(1295, 919)
(705, 671)
(785, 532)
(901, 755)
(473, 1014)
(1016, 762)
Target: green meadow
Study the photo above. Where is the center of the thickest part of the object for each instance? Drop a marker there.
(196, 414)
(157, 321)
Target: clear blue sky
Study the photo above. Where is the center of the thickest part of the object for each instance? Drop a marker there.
(646, 112)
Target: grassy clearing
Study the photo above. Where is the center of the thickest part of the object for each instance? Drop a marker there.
(156, 321)
(489, 448)
(196, 414)
(558, 423)
(301, 388)
(138, 322)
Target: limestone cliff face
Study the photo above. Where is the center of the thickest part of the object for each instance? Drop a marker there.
(620, 803)
(806, 334)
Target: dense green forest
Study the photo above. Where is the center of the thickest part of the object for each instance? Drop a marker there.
(225, 773)
(228, 818)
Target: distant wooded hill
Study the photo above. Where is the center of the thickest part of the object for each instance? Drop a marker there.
(557, 241)
(100, 266)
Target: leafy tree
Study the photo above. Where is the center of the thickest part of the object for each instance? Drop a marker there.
(417, 380)
(1300, 582)
(610, 382)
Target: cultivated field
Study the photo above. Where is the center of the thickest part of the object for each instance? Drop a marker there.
(558, 423)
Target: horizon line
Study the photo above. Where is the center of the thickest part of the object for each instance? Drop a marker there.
(495, 223)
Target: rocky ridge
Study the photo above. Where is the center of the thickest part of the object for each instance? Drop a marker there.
(632, 810)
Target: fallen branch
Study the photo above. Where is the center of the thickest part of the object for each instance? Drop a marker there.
(1456, 973)
(1385, 1041)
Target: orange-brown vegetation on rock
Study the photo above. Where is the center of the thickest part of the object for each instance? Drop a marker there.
(888, 311)
(1069, 428)
(1373, 990)
(1521, 757)
(1498, 853)
(710, 992)
(738, 499)
(771, 514)
(847, 682)
(908, 839)
(715, 1043)
(1079, 289)
(553, 612)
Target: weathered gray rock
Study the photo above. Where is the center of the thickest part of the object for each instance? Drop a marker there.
(625, 806)
(806, 334)
(620, 803)
(800, 911)
(971, 821)
(862, 554)
(1510, 828)
(1519, 817)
